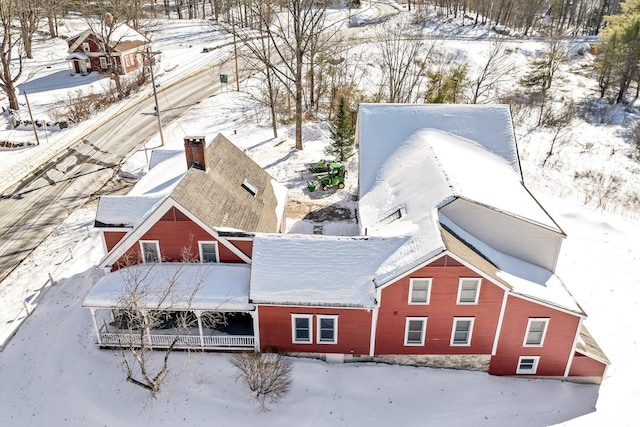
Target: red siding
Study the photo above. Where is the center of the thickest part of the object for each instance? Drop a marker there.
(354, 329)
(584, 366)
(133, 62)
(394, 309)
(175, 233)
(245, 246)
(558, 341)
(111, 238)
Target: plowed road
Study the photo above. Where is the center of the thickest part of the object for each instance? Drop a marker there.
(32, 209)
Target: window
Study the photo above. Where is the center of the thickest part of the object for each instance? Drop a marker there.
(301, 328)
(208, 251)
(103, 62)
(85, 47)
(327, 329)
(415, 329)
(101, 46)
(150, 251)
(419, 291)
(527, 364)
(536, 330)
(126, 60)
(468, 291)
(462, 328)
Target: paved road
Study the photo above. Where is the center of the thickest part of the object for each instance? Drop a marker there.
(32, 209)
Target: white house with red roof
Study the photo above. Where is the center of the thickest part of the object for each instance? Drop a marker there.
(454, 265)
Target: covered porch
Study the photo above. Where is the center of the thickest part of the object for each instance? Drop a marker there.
(79, 63)
(177, 305)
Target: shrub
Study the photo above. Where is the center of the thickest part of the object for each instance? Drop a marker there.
(268, 375)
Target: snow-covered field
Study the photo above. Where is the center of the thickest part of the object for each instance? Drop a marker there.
(51, 373)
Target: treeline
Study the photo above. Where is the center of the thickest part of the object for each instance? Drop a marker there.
(571, 17)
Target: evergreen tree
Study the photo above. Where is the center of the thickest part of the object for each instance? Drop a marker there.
(342, 133)
(622, 47)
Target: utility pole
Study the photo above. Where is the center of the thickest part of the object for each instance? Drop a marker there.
(235, 50)
(35, 132)
(149, 57)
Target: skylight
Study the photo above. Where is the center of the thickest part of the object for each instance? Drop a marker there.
(393, 216)
(249, 187)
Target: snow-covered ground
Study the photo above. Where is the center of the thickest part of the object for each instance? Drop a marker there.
(51, 373)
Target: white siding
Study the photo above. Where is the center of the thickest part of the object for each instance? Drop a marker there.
(506, 233)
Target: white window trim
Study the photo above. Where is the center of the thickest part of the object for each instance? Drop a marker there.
(103, 63)
(453, 331)
(479, 282)
(406, 331)
(411, 282)
(86, 47)
(309, 317)
(544, 332)
(200, 242)
(319, 317)
(531, 371)
(157, 243)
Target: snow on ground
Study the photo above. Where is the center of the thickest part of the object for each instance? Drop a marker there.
(52, 374)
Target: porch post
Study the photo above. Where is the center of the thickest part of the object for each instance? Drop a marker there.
(198, 314)
(256, 330)
(146, 321)
(95, 324)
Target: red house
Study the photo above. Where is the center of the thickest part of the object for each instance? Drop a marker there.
(112, 48)
(454, 265)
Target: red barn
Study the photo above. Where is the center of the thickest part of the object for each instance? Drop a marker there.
(454, 265)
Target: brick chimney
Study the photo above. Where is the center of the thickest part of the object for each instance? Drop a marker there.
(194, 149)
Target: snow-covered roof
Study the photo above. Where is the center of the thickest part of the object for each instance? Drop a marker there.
(124, 33)
(478, 175)
(221, 287)
(77, 55)
(318, 270)
(121, 37)
(167, 167)
(382, 128)
(124, 211)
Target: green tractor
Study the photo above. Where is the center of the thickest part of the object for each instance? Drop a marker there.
(323, 166)
(333, 178)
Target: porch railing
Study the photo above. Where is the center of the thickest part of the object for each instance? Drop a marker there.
(184, 341)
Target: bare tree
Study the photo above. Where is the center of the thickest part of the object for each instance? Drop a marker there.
(11, 45)
(157, 297)
(496, 70)
(340, 73)
(260, 52)
(292, 28)
(104, 18)
(268, 375)
(29, 15)
(53, 8)
(403, 60)
(543, 71)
